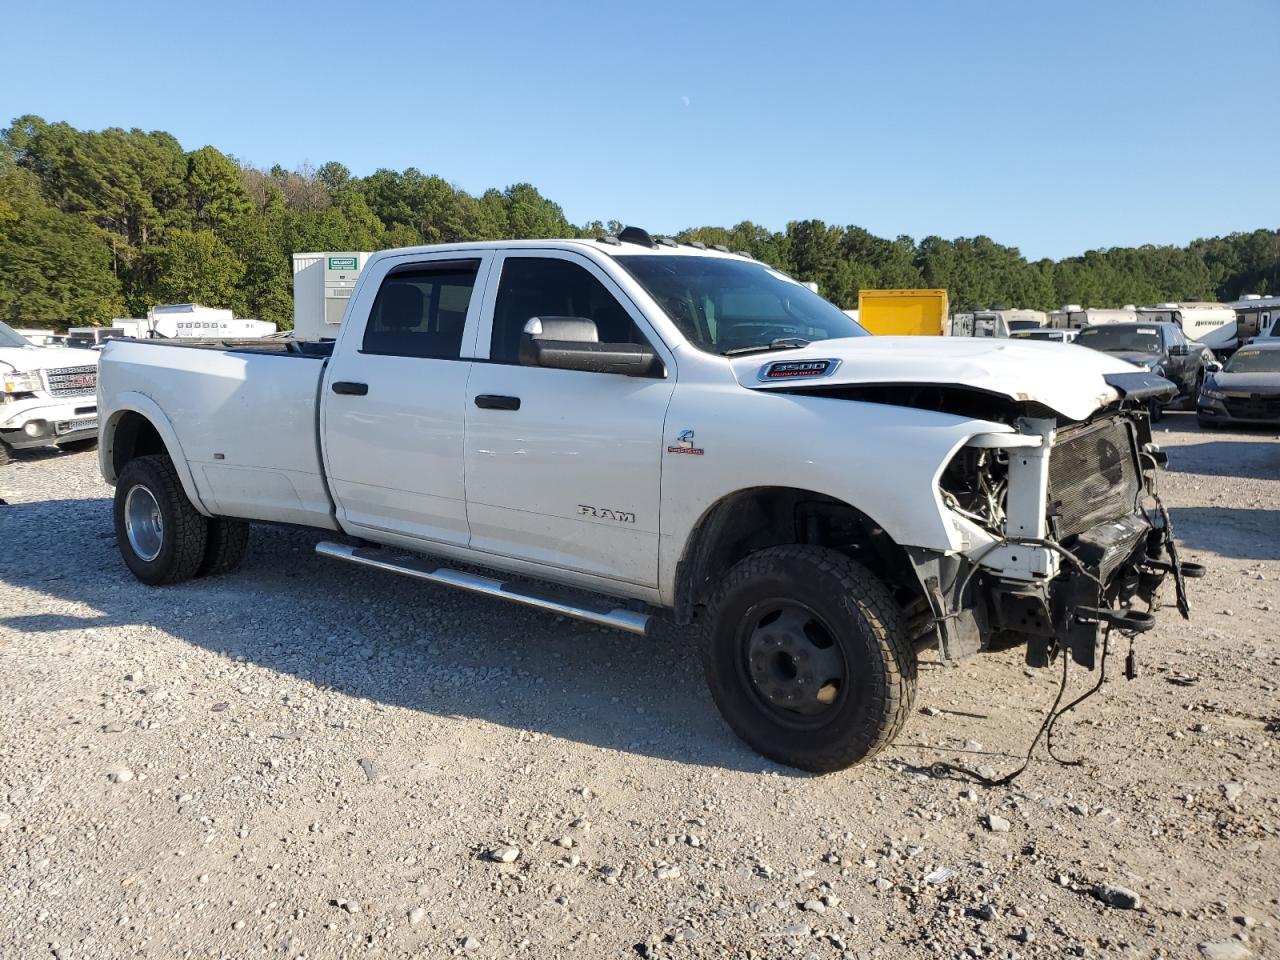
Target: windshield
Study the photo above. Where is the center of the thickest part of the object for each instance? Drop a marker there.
(1254, 361)
(723, 305)
(10, 337)
(1120, 338)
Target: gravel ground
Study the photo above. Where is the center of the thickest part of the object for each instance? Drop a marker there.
(303, 759)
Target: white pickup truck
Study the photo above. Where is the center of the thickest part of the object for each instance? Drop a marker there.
(46, 395)
(683, 429)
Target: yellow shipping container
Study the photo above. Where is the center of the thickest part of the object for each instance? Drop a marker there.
(903, 312)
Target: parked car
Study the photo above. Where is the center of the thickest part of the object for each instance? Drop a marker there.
(686, 430)
(1051, 334)
(1161, 348)
(46, 395)
(1246, 390)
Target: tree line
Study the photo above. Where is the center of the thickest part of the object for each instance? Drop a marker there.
(108, 223)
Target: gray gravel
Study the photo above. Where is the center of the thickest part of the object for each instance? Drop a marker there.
(306, 759)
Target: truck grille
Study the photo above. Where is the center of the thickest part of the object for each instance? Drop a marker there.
(71, 381)
(1093, 477)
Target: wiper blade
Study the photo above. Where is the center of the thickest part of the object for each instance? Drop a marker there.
(781, 343)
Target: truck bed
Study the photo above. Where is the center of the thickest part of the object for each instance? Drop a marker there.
(244, 414)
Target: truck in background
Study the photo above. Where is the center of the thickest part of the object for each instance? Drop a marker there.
(995, 322)
(903, 312)
(1213, 324)
(47, 395)
(322, 285)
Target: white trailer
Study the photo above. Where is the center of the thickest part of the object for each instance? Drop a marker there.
(1072, 316)
(1213, 324)
(322, 285)
(1255, 315)
(187, 321)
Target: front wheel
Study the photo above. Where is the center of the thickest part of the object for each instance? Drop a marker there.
(807, 658)
(161, 536)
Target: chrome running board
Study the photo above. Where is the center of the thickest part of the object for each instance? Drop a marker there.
(617, 618)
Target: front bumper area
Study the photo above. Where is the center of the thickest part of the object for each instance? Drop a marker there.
(36, 421)
(1246, 411)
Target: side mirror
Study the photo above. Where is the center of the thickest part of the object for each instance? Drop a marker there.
(1179, 350)
(573, 343)
(1213, 366)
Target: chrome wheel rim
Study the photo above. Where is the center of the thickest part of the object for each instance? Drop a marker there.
(143, 523)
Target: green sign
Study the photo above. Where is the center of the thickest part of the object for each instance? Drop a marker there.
(342, 263)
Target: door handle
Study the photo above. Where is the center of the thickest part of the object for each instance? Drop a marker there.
(350, 389)
(493, 401)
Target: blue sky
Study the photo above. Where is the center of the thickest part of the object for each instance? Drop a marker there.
(1054, 128)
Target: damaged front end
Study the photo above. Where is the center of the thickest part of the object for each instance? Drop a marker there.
(1064, 535)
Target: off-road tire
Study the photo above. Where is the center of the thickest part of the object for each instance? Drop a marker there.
(225, 546)
(75, 446)
(6, 453)
(185, 530)
(867, 626)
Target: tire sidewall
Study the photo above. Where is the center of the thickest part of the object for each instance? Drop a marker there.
(856, 722)
(145, 473)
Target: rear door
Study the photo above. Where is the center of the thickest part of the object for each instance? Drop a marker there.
(393, 398)
(564, 466)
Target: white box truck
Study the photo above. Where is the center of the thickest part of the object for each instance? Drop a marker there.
(322, 285)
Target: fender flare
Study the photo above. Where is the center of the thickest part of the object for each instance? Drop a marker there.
(145, 407)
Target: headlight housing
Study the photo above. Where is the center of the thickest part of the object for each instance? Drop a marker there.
(1210, 391)
(16, 381)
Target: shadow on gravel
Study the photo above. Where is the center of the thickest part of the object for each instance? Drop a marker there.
(381, 637)
(1229, 531)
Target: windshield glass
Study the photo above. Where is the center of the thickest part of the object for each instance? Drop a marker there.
(722, 305)
(10, 338)
(1121, 338)
(1254, 361)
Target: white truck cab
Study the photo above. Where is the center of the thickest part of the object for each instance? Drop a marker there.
(683, 430)
(47, 395)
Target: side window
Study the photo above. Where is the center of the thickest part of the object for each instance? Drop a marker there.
(548, 287)
(420, 310)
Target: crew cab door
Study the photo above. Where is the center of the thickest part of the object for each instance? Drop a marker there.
(564, 466)
(1182, 360)
(393, 394)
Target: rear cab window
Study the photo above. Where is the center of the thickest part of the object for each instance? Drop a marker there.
(421, 310)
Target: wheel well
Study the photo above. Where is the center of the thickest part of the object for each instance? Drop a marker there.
(134, 436)
(751, 520)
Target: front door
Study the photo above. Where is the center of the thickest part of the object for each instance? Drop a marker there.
(394, 406)
(564, 466)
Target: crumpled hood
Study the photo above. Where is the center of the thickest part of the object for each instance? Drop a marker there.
(1063, 377)
(1267, 384)
(46, 358)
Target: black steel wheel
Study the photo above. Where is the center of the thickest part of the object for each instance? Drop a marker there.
(807, 658)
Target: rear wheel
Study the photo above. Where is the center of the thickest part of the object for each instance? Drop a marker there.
(6, 453)
(1154, 410)
(227, 541)
(161, 536)
(807, 658)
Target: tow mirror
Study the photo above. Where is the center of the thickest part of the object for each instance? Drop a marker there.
(573, 343)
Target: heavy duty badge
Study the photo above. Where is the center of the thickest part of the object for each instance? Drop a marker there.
(684, 444)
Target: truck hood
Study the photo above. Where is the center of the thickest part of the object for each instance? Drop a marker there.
(46, 358)
(1065, 378)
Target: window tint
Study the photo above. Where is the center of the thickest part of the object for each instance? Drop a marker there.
(547, 287)
(420, 311)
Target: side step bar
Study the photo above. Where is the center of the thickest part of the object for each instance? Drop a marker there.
(619, 619)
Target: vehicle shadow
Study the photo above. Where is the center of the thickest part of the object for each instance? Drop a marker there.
(385, 638)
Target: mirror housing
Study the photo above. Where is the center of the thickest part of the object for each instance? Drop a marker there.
(1213, 366)
(573, 343)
